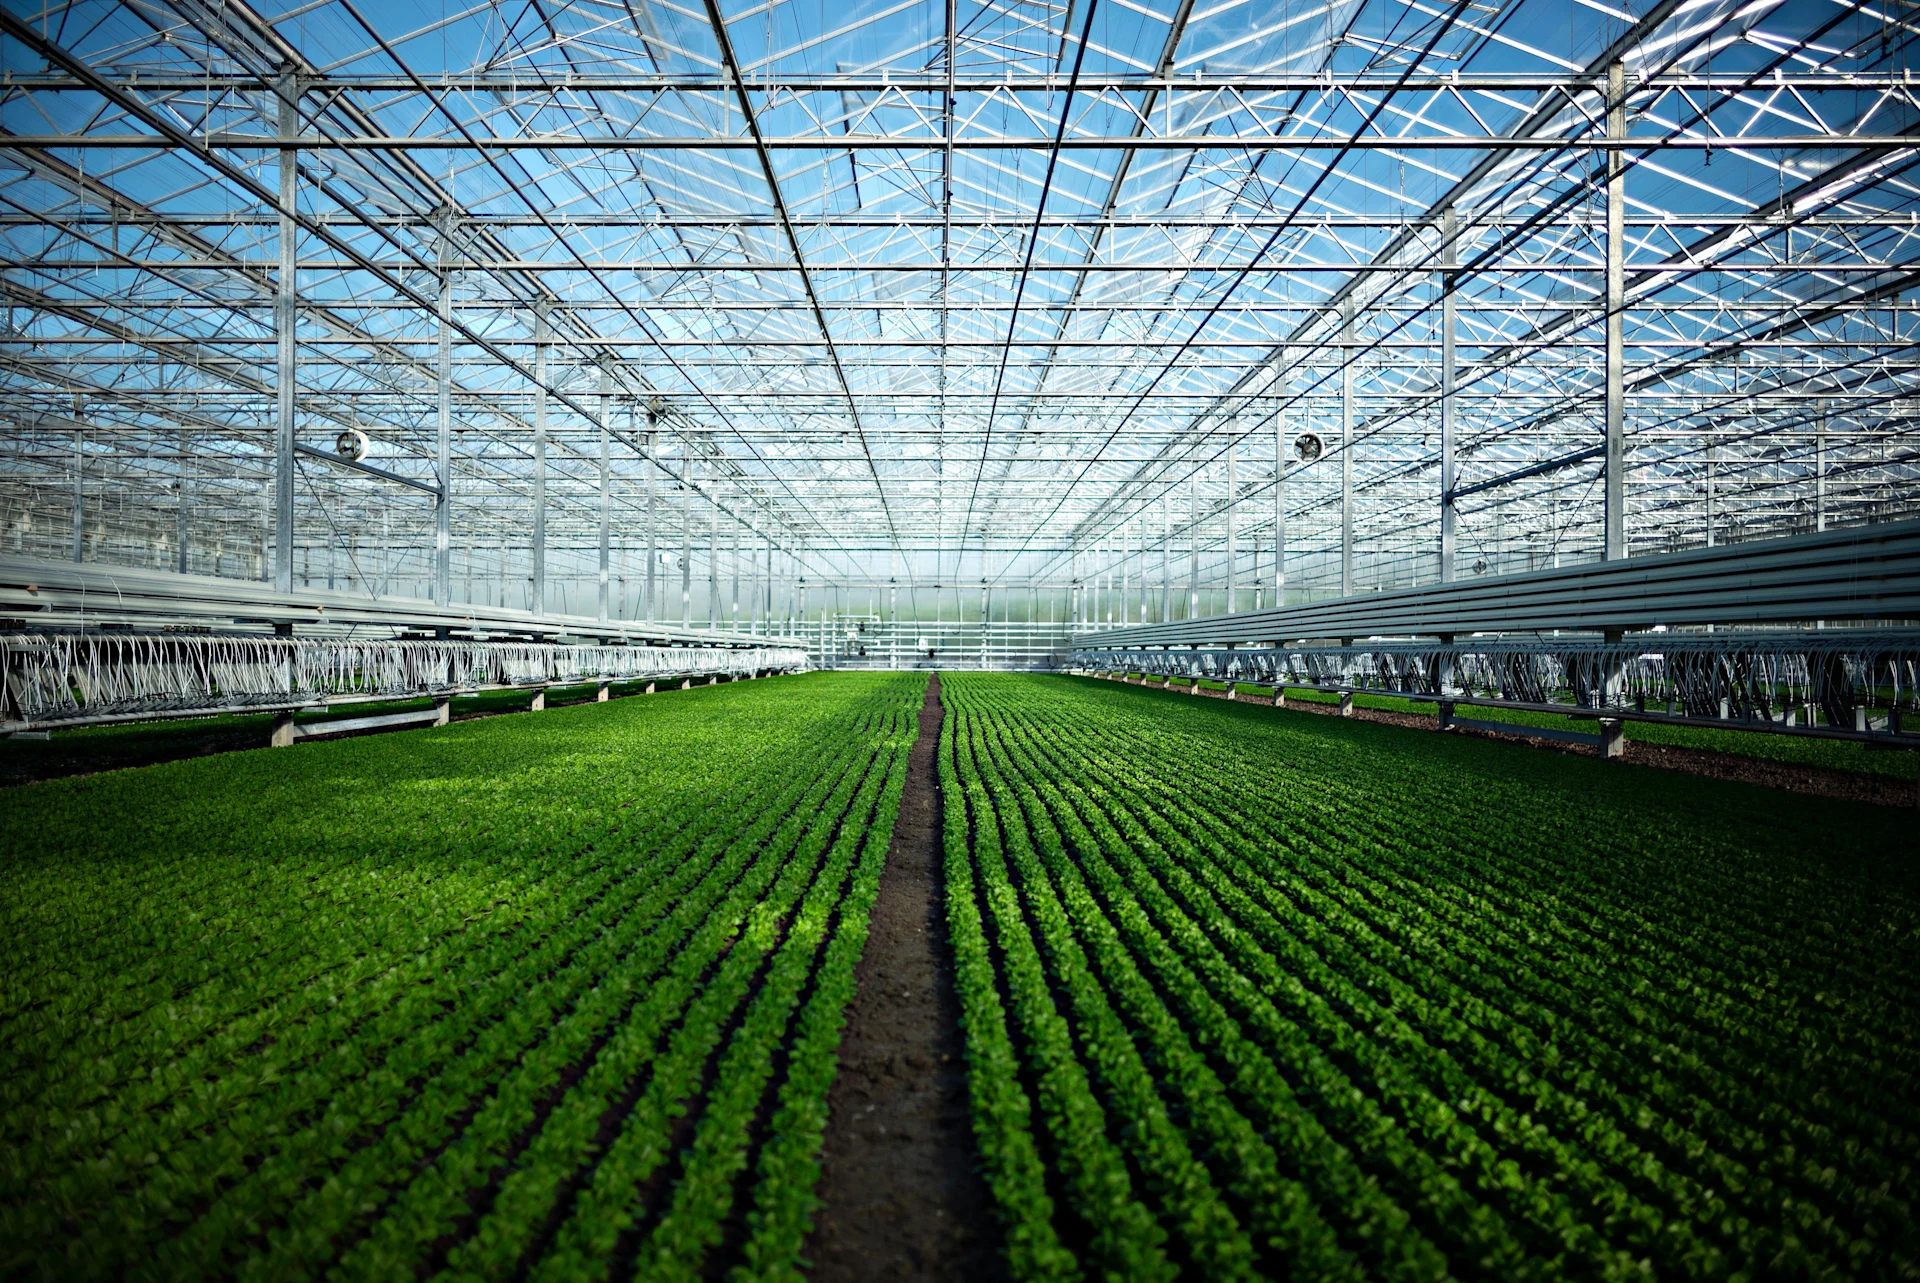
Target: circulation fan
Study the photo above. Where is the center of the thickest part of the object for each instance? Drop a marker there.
(352, 444)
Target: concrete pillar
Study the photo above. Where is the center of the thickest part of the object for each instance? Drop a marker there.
(1613, 737)
(282, 736)
(1346, 703)
(600, 696)
(442, 710)
(539, 704)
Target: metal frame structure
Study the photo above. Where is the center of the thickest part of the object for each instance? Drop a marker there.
(1598, 638)
(1823, 684)
(85, 679)
(721, 317)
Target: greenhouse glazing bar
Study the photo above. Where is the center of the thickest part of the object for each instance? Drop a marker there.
(1866, 573)
(944, 251)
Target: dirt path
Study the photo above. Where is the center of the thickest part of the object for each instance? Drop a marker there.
(902, 1197)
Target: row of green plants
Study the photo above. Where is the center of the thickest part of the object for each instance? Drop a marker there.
(118, 745)
(1838, 755)
(1257, 996)
(553, 997)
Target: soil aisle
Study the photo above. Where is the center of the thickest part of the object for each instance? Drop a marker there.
(903, 1200)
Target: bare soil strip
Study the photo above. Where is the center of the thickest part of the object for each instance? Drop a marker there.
(903, 1198)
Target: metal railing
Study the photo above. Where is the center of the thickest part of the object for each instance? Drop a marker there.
(51, 679)
(37, 593)
(1865, 573)
(1851, 683)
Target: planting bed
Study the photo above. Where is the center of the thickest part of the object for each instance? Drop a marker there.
(1250, 992)
(549, 997)
(1155, 988)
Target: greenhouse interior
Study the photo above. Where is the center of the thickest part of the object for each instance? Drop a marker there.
(960, 640)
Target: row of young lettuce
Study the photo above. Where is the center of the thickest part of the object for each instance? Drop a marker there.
(1245, 993)
(548, 998)
(1250, 997)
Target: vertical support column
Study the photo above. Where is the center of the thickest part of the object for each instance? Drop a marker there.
(1144, 602)
(1104, 582)
(541, 337)
(285, 317)
(606, 483)
(1193, 547)
(1711, 468)
(443, 439)
(1166, 558)
(1073, 591)
(79, 489)
(180, 491)
(1346, 448)
(713, 566)
(733, 566)
(653, 521)
(1279, 507)
(1615, 535)
(1820, 467)
(893, 625)
(983, 619)
(686, 533)
(1449, 259)
(282, 734)
(1233, 548)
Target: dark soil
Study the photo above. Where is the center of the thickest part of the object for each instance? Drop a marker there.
(1817, 781)
(903, 1198)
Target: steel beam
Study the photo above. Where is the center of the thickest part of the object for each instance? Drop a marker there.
(1614, 538)
(286, 320)
(59, 595)
(1866, 573)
